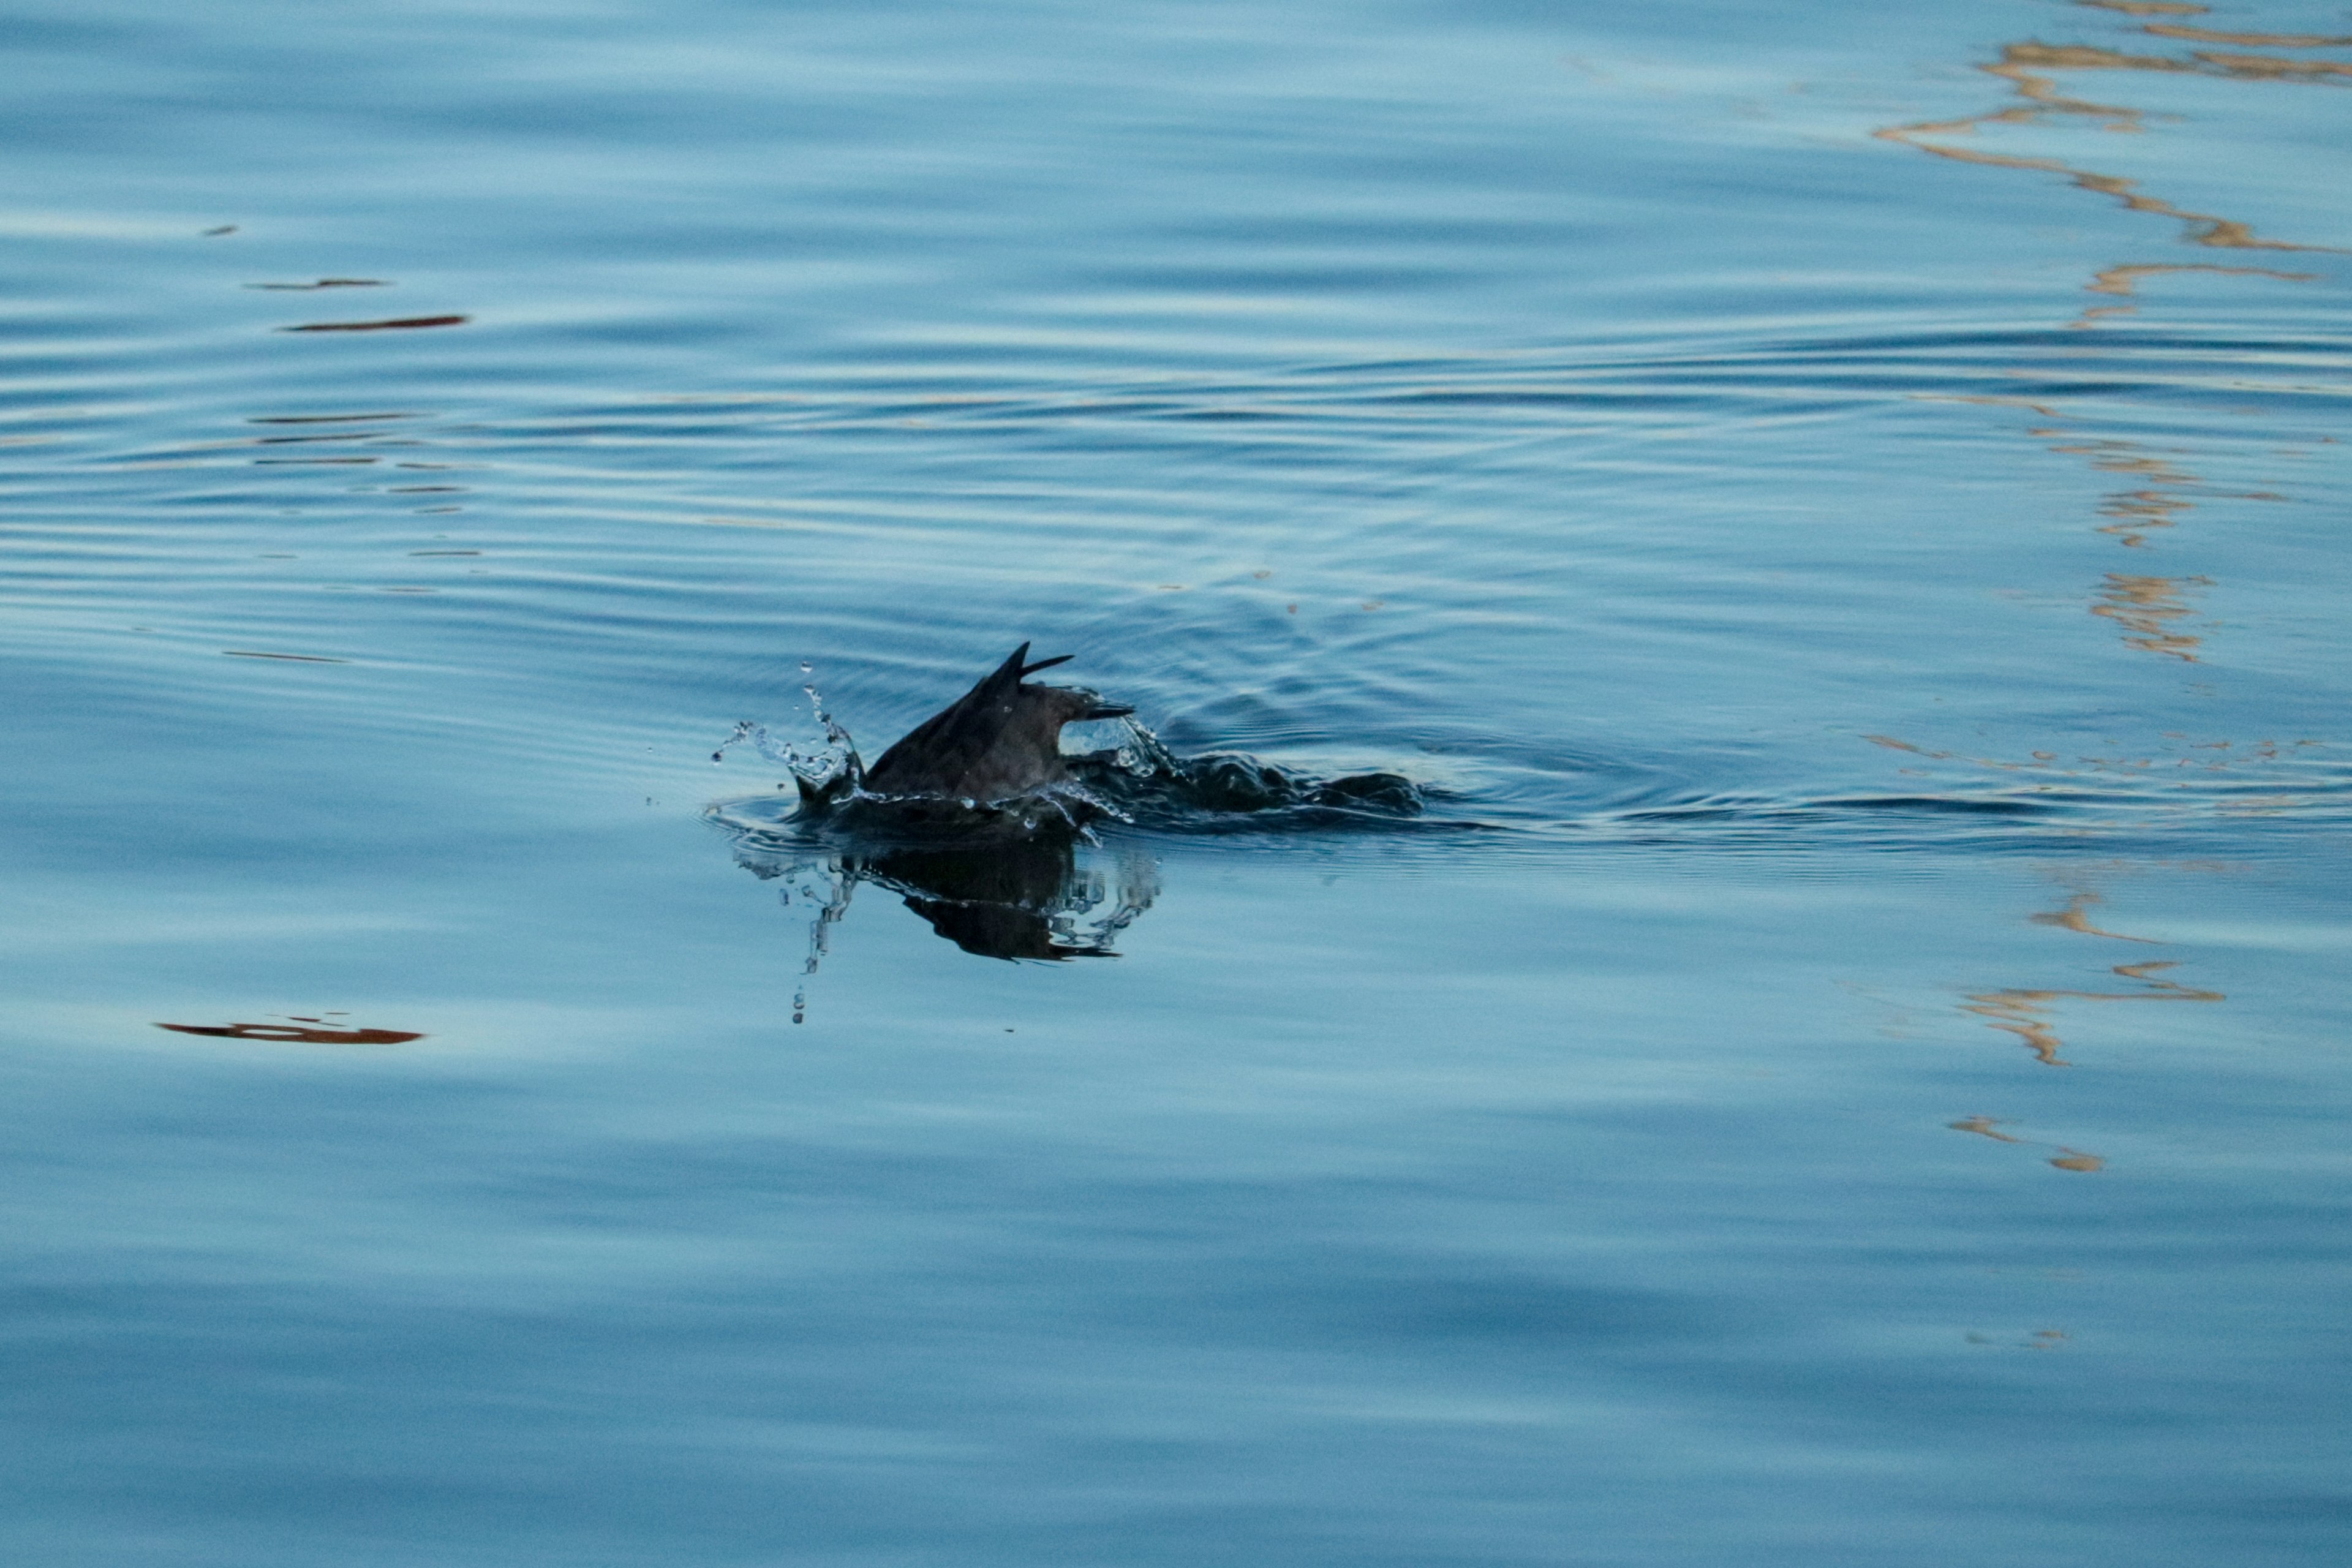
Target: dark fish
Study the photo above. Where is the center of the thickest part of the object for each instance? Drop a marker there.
(1000, 740)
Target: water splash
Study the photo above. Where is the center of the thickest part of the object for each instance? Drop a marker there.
(1141, 781)
(818, 766)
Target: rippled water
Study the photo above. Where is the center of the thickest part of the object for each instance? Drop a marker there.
(1837, 515)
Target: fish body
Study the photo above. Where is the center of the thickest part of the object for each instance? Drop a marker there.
(999, 741)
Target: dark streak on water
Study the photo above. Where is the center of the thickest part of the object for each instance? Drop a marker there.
(402, 323)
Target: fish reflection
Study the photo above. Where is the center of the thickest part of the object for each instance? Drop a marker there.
(1034, 898)
(1045, 898)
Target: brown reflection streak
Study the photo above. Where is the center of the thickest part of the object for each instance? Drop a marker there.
(2072, 918)
(2124, 281)
(402, 323)
(1990, 401)
(2140, 509)
(2257, 40)
(2024, 66)
(2066, 1159)
(2145, 607)
(2265, 67)
(2024, 1013)
(2123, 457)
(297, 1033)
(2181, 753)
(2136, 511)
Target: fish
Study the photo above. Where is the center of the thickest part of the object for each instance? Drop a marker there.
(999, 742)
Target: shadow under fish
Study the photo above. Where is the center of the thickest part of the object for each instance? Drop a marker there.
(1035, 899)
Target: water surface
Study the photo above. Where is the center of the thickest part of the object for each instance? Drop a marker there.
(1839, 515)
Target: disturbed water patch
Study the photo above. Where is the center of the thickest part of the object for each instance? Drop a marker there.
(1027, 877)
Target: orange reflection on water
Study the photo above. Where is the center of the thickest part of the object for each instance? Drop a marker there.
(2124, 281)
(2026, 1013)
(2027, 68)
(2265, 65)
(2171, 754)
(2147, 609)
(2135, 511)
(2257, 40)
(2073, 918)
(2065, 1159)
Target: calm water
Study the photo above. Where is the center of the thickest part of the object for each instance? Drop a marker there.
(1839, 509)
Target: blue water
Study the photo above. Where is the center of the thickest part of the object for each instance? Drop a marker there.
(1838, 513)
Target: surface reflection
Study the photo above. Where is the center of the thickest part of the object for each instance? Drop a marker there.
(2065, 1159)
(2027, 68)
(1048, 898)
(2028, 1014)
(298, 1031)
(2151, 611)
(2147, 609)
(2123, 281)
(396, 324)
(2075, 917)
